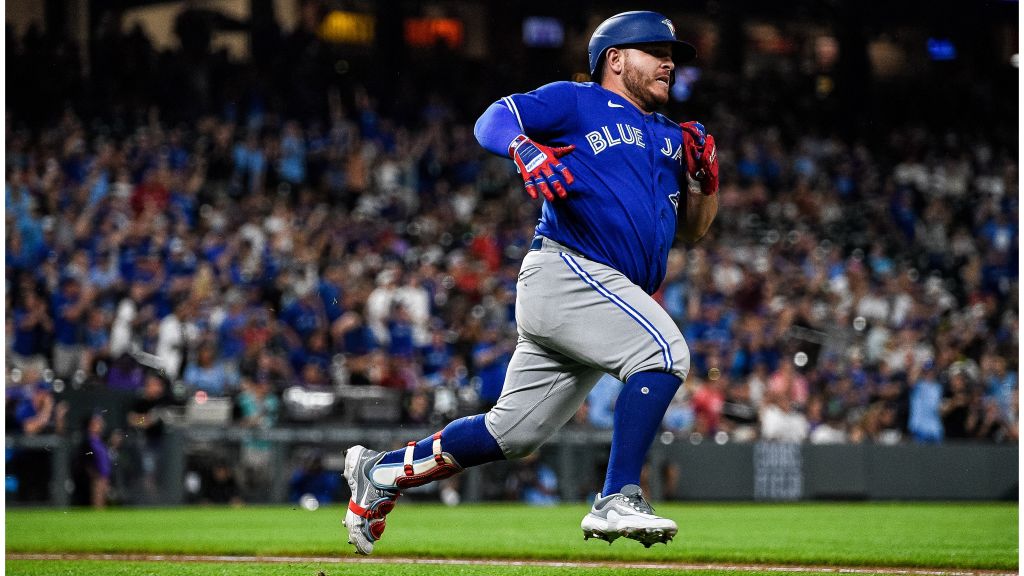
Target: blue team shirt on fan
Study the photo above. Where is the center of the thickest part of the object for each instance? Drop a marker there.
(622, 206)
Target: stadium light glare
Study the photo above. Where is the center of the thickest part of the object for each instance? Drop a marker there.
(341, 27)
(941, 49)
(543, 32)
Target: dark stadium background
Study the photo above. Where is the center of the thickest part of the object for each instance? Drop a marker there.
(867, 243)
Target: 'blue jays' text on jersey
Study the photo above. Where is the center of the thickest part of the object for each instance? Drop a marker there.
(622, 206)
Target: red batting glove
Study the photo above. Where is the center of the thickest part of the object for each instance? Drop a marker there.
(539, 166)
(701, 157)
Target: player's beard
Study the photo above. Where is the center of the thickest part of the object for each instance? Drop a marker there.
(639, 87)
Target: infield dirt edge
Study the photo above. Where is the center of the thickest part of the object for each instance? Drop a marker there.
(676, 566)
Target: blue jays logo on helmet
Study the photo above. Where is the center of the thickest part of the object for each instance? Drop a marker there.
(637, 27)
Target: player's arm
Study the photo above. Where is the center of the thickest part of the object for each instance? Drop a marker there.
(700, 213)
(701, 157)
(496, 128)
(503, 130)
(498, 131)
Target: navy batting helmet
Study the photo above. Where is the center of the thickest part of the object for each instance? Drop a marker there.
(636, 27)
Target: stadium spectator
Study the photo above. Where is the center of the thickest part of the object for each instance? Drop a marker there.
(991, 424)
(490, 360)
(207, 373)
(177, 335)
(780, 421)
(33, 328)
(1000, 383)
(708, 401)
(96, 339)
(401, 330)
(69, 306)
(958, 406)
(826, 428)
(788, 382)
(35, 409)
(32, 410)
(93, 465)
(925, 422)
(258, 408)
(436, 354)
(147, 417)
(417, 408)
(880, 423)
(740, 412)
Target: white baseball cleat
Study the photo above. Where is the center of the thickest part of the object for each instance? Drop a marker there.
(627, 514)
(369, 504)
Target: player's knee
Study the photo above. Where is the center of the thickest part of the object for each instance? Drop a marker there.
(525, 440)
(522, 447)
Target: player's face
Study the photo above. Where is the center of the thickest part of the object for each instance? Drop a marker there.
(646, 74)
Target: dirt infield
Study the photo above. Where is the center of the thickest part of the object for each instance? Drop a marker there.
(679, 567)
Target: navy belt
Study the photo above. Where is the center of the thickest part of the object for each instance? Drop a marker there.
(538, 244)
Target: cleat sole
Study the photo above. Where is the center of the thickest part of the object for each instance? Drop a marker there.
(608, 537)
(647, 537)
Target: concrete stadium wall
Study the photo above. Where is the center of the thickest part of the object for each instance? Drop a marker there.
(849, 472)
(678, 470)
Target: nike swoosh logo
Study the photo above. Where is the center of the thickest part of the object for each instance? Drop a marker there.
(614, 105)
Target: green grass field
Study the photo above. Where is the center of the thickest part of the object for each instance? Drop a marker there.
(961, 535)
(102, 568)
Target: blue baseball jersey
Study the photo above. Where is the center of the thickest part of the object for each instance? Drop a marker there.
(628, 169)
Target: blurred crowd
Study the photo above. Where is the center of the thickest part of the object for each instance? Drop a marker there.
(848, 292)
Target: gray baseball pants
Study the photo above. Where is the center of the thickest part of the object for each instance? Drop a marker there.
(577, 319)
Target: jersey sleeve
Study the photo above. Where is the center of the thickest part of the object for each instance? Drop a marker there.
(548, 112)
(496, 128)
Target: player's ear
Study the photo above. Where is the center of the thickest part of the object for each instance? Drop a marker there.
(614, 59)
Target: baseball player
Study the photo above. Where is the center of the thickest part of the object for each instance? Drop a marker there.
(619, 182)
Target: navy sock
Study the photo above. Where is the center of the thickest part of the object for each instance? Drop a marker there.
(638, 412)
(466, 439)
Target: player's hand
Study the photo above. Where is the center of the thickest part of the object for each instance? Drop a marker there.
(701, 157)
(539, 166)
